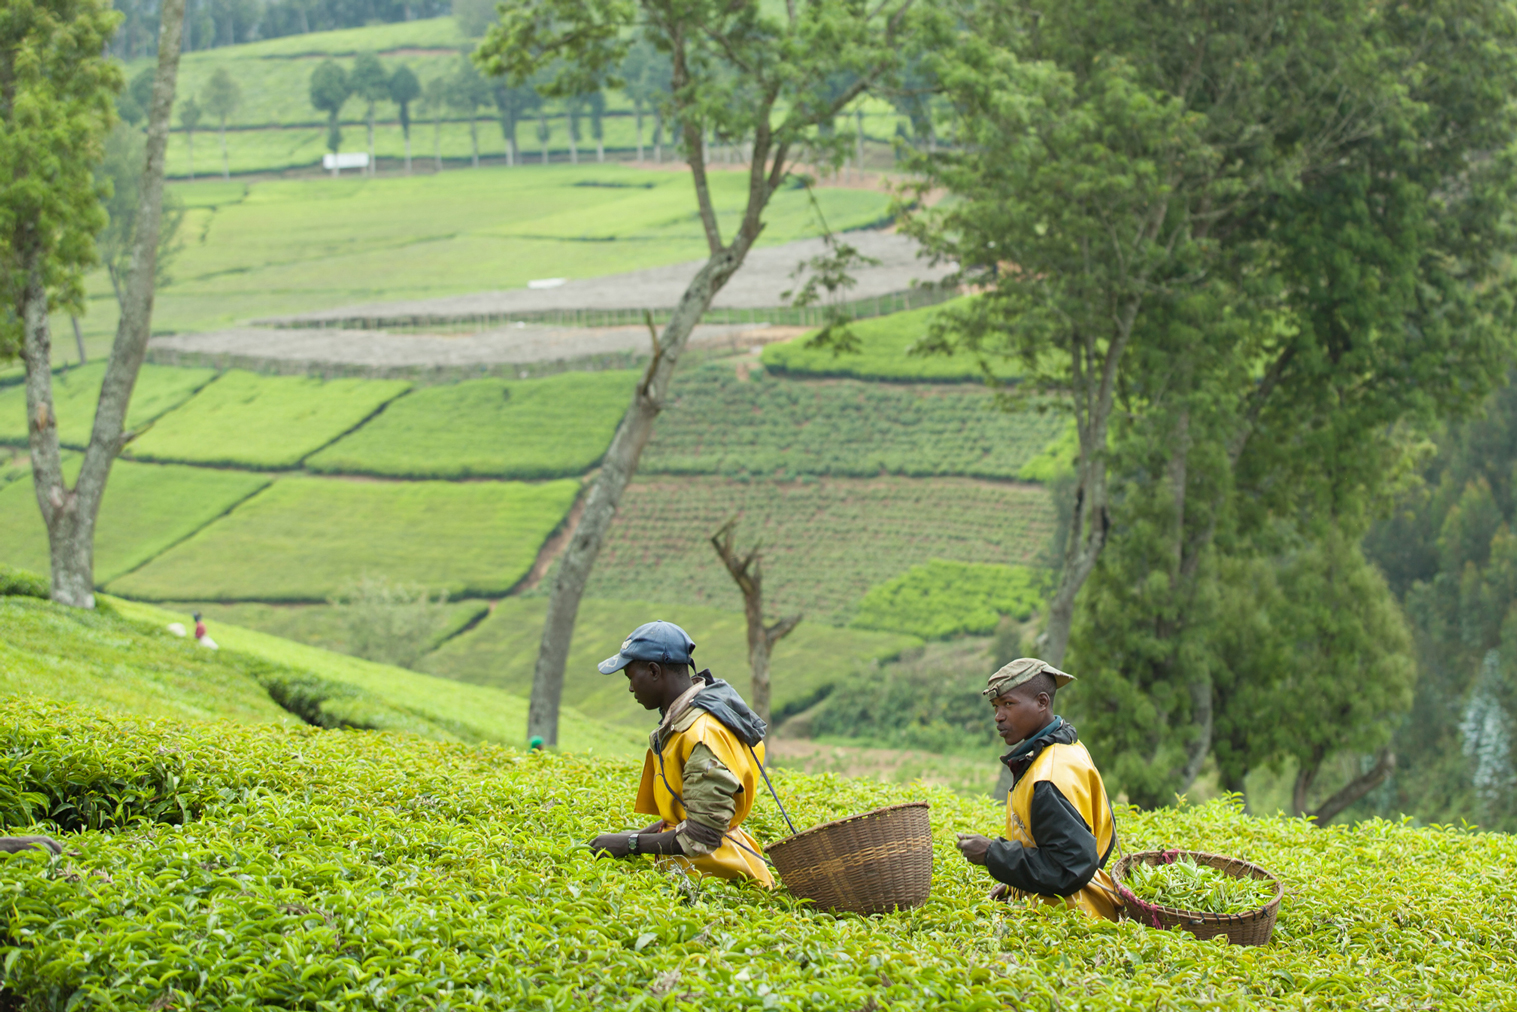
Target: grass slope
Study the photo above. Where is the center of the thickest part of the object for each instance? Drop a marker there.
(467, 712)
(885, 343)
(273, 868)
(303, 538)
(502, 649)
(543, 428)
(145, 509)
(318, 625)
(721, 422)
(244, 419)
(826, 541)
(290, 245)
(76, 392)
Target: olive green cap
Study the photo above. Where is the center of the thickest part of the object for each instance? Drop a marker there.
(1021, 671)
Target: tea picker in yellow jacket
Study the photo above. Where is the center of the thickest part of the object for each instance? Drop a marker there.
(1059, 830)
(702, 770)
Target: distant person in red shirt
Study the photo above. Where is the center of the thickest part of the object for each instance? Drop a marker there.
(200, 634)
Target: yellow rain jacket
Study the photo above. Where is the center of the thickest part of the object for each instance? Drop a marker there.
(1069, 768)
(740, 855)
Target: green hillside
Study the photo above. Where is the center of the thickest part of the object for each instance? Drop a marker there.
(207, 872)
(76, 393)
(279, 246)
(122, 657)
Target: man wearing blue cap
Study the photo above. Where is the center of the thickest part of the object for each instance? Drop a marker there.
(702, 770)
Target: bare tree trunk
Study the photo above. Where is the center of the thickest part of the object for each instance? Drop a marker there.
(408, 151)
(639, 111)
(748, 574)
(78, 339)
(474, 138)
(1385, 765)
(1306, 775)
(437, 144)
(70, 513)
(226, 165)
(371, 140)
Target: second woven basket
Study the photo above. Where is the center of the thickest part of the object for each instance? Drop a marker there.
(1251, 928)
(865, 864)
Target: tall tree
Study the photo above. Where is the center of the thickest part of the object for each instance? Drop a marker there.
(222, 96)
(434, 99)
(189, 118)
(762, 74)
(330, 91)
(405, 89)
(467, 92)
(121, 172)
(645, 74)
(512, 104)
(56, 91)
(597, 103)
(747, 572)
(372, 84)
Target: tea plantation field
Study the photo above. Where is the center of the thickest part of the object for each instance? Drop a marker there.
(546, 428)
(885, 344)
(77, 391)
(146, 509)
(205, 872)
(305, 537)
(502, 650)
(826, 541)
(279, 246)
(840, 428)
(942, 599)
(247, 420)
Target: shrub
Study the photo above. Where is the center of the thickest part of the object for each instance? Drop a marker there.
(943, 599)
(393, 623)
(22, 583)
(345, 871)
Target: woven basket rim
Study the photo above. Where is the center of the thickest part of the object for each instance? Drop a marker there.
(1198, 915)
(841, 822)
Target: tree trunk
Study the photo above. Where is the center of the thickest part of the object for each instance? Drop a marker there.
(78, 339)
(437, 144)
(371, 140)
(474, 138)
(408, 151)
(638, 109)
(70, 513)
(189, 140)
(748, 574)
(1385, 765)
(226, 165)
(1306, 775)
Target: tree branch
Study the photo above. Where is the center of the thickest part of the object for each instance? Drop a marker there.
(1385, 765)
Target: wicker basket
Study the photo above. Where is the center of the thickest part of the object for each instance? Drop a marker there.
(1251, 928)
(865, 864)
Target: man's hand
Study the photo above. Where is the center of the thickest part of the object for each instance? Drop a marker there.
(1001, 892)
(973, 846)
(612, 844)
(15, 844)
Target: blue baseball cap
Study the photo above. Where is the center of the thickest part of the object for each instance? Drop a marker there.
(664, 642)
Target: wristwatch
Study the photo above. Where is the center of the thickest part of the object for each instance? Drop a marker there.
(632, 843)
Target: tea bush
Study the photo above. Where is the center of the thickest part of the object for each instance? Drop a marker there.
(941, 599)
(346, 870)
(765, 426)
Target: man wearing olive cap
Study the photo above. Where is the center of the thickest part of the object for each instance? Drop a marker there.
(702, 770)
(1059, 829)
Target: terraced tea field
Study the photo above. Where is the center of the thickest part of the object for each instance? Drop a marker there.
(549, 428)
(826, 541)
(147, 508)
(842, 428)
(305, 537)
(76, 392)
(884, 353)
(246, 420)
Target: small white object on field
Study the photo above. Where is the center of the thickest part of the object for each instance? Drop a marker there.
(177, 628)
(347, 160)
(546, 282)
(206, 641)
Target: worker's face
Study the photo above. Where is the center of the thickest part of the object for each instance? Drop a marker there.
(645, 680)
(1020, 714)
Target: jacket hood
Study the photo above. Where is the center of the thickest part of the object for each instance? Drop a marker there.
(722, 701)
(1058, 732)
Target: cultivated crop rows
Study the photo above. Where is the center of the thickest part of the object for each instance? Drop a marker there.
(826, 541)
(841, 428)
